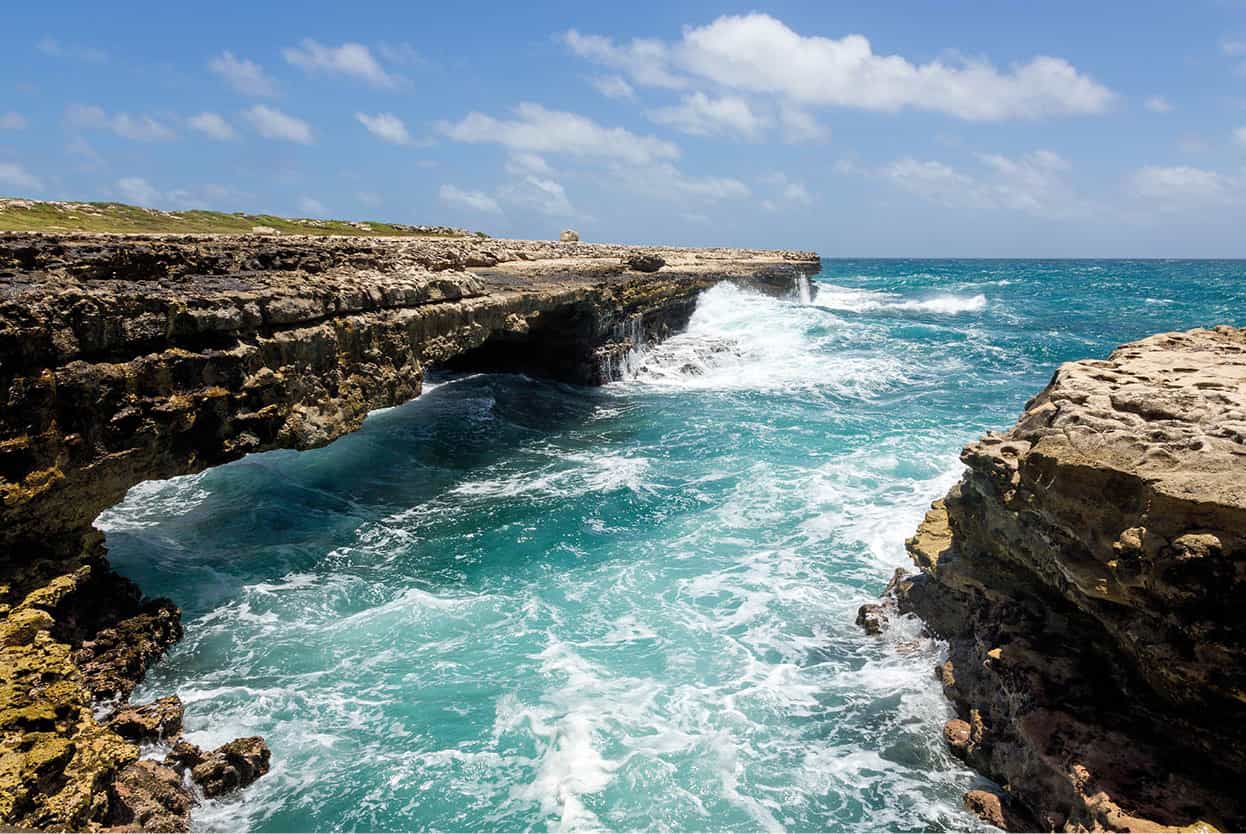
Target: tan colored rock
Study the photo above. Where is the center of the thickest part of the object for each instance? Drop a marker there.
(161, 719)
(569, 236)
(149, 797)
(1088, 574)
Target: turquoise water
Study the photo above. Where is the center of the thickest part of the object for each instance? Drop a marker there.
(513, 604)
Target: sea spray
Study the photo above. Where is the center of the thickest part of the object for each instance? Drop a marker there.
(515, 604)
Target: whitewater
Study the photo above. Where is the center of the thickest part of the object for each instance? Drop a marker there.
(513, 604)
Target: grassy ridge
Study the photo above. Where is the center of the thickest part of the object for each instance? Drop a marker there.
(39, 216)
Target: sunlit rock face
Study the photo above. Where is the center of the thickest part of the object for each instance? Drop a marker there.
(1088, 572)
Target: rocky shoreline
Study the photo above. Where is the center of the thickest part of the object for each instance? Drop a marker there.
(1087, 573)
(128, 358)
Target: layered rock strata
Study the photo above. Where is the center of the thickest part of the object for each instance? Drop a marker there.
(1088, 574)
(127, 358)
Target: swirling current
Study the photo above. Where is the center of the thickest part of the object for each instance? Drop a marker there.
(513, 604)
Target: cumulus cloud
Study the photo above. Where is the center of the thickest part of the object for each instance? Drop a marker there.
(212, 125)
(56, 49)
(540, 194)
(800, 126)
(701, 115)
(15, 176)
(1179, 185)
(663, 181)
(540, 130)
(612, 86)
(386, 126)
(1034, 183)
(12, 120)
(247, 77)
(473, 200)
(351, 60)
(273, 124)
(139, 128)
(521, 164)
(759, 54)
(1158, 104)
(786, 192)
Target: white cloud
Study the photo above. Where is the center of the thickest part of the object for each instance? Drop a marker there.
(386, 126)
(474, 200)
(12, 120)
(759, 54)
(399, 53)
(273, 124)
(353, 60)
(312, 207)
(1179, 185)
(541, 194)
(1239, 136)
(139, 128)
(1233, 47)
(212, 125)
(138, 191)
(663, 181)
(245, 76)
(1158, 104)
(539, 130)
(612, 86)
(56, 49)
(1033, 183)
(14, 175)
(799, 126)
(644, 60)
(521, 164)
(787, 192)
(701, 115)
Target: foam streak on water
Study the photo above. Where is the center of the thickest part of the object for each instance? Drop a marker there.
(513, 604)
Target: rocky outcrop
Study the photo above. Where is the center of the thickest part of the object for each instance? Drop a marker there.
(127, 358)
(1087, 573)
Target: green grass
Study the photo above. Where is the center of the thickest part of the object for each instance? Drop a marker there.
(17, 215)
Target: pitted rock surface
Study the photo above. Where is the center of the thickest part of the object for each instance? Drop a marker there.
(1088, 573)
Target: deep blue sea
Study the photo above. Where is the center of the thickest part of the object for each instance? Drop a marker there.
(513, 604)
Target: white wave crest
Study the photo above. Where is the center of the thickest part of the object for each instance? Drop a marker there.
(833, 297)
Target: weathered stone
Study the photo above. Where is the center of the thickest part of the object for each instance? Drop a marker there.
(147, 796)
(231, 766)
(1087, 573)
(645, 262)
(158, 720)
(569, 236)
(872, 618)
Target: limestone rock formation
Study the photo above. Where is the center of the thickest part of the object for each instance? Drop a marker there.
(1088, 573)
(569, 236)
(127, 358)
(645, 262)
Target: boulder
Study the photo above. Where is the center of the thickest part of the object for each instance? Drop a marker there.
(233, 765)
(147, 796)
(569, 236)
(158, 720)
(645, 262)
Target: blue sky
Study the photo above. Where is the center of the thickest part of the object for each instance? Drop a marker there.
(856, 128)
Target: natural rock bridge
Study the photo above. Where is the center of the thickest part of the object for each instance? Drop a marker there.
(124, 359)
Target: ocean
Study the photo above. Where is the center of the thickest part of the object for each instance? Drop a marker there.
(513, 604)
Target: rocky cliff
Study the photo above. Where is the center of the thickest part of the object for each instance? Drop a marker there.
(124, 359)
(1088, 573)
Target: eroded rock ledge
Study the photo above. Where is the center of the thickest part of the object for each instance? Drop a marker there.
(1088, 573)
(127, 358)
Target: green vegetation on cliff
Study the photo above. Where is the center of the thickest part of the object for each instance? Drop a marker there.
(18, 215)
